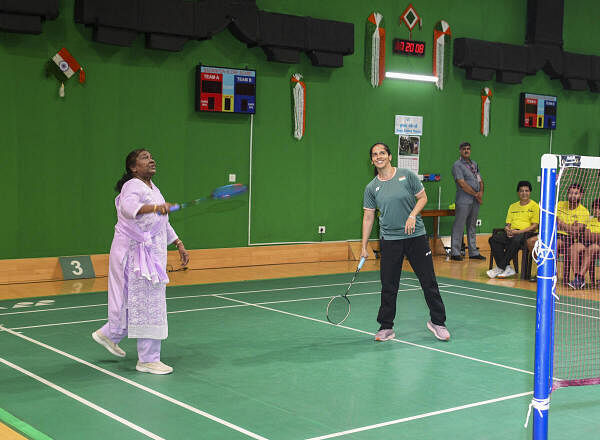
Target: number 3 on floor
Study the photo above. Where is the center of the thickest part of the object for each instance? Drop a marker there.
(74, 268)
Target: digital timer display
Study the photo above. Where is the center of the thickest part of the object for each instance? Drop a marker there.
(409, 47)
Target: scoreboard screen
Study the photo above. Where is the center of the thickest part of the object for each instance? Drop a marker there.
(537, 111)
(224, 90)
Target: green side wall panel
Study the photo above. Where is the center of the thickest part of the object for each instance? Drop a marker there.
(62, 157)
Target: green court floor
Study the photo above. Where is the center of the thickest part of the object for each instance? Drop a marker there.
(258, 360)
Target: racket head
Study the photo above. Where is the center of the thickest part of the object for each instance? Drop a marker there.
(338, 309)
(228, 191)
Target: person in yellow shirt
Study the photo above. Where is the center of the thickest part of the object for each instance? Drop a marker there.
(522, 221)
(592, 240)
(571, 220)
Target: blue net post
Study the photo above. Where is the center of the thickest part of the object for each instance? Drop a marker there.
(545, 284)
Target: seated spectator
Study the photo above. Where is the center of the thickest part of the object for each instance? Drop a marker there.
(571, 220)
(522, 222)
(591, 247)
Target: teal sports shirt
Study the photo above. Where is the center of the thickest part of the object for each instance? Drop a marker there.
(395, 199)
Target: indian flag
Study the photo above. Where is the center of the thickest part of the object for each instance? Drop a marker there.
(67, 66)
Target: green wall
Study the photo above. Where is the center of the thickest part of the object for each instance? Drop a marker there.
(61, 157)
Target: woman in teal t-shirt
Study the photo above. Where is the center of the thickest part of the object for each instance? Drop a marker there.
(399, 196)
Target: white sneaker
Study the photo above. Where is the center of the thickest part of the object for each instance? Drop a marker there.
(153, 367)
(108, 344)
(493, 273)
(508, 272)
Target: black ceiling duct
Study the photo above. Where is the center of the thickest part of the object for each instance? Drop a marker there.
(169, 24)
(26, 16)
(542, 51)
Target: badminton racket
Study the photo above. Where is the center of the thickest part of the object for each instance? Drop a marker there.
(338, 308)
(220, 193)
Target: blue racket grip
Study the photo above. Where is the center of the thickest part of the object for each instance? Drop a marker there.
(175, 207)
(361, 262)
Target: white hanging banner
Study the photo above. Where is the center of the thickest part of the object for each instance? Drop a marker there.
(486, 98)
(441, 51)
(299, 94)
(375, 49)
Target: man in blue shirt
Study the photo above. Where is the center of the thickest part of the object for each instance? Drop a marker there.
(469, 195)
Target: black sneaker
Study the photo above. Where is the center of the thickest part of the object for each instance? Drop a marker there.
(456, 257)
(476, 257)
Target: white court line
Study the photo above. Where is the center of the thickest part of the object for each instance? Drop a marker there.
(202, 309)
(488, 291)
(532, 306)
(421, 416)
(238, 292)
(373, 334)
(531, 298)
(139, 386)
(54, 324)
(53, 309)
(488, 298)
(305, 299)
(194, 296)
(445, 285)
(82, 400)
(266, 290)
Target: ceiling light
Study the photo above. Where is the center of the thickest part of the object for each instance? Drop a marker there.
(411, 76)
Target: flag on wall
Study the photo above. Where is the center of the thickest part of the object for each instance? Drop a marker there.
(375, 49)
(441, 51)
(486, 97)
(64, 66)
(299, 98)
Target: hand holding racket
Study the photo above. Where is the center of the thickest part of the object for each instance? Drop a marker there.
(220, 193)
(338, 308)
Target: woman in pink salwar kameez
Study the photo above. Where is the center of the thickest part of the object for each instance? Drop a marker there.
(137, 266)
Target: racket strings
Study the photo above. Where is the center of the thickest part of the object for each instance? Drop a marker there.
(338, 309)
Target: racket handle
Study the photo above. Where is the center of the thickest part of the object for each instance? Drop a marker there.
(361, 263)
(175, 207)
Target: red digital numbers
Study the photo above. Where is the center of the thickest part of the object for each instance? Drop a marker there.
(408, 47)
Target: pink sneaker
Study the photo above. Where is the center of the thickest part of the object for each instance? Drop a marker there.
(385, 334)
(439, 331)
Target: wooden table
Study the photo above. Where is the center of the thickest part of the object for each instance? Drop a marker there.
(436, 214)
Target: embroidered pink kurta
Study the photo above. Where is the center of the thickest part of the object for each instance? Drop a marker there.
(137, 264)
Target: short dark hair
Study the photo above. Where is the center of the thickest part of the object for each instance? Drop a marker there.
(576, 185)
(464, 144)
(524, 183)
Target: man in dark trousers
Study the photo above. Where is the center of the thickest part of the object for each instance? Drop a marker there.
(469, 195)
